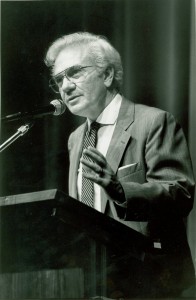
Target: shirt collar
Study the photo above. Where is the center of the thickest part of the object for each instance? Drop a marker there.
(110, 113)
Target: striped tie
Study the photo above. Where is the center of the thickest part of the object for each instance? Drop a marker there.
(90, 139)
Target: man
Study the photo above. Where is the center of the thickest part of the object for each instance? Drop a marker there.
(139, 166)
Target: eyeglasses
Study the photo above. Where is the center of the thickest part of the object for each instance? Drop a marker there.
(74, 74)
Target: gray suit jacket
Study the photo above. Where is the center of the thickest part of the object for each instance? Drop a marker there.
(157, 173)
(156, 176)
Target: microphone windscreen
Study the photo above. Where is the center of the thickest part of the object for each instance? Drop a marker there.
(59, 107)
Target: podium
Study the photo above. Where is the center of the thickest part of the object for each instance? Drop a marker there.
(53, 246)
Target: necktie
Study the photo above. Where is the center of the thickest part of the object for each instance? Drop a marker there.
(90, 139)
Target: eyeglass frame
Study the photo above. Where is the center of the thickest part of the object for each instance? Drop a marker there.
(64, 74)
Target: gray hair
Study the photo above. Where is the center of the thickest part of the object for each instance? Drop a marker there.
(99, 47)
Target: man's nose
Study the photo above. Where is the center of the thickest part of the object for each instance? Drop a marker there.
(67, 85)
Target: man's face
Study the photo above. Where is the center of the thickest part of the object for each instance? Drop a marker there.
(86, 98)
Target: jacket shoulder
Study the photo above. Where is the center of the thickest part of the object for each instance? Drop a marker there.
(148, 110)
(152, 114)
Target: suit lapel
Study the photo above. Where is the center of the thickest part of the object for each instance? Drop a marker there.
(119, 141)
(76, 152)
(121, 135)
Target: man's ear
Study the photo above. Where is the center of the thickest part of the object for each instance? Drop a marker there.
(108, 76)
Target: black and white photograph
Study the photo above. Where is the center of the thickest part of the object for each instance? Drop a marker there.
(97, 149)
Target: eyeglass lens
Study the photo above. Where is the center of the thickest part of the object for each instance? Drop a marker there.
(74, 74)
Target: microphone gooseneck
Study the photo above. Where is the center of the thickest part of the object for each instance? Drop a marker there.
(56, 107)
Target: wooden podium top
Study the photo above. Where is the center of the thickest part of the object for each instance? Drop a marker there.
(29, 197)
(49, 205)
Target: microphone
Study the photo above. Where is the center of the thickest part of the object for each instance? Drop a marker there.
(56, 107)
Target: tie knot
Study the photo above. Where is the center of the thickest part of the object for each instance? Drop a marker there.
(95, 126)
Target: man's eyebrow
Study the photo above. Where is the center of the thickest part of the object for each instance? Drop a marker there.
(60, 73)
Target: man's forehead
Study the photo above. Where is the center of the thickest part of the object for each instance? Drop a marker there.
(69, 57)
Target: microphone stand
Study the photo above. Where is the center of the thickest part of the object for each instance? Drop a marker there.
(20, 132)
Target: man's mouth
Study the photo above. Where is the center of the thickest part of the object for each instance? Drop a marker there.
(72, 98)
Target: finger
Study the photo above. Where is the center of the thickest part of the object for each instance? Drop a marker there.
(95, 157)
(95, 178)
(94, 150)
(96, 164)
(93, 166)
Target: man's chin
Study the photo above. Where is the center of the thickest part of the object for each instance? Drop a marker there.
(78, 111)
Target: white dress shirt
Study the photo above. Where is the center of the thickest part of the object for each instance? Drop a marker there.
(108, 118)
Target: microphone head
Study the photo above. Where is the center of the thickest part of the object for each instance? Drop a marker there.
(59, 107)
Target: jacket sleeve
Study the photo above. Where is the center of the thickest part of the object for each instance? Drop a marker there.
(169, 185)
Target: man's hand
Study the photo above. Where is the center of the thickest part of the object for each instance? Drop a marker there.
(100, 172)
